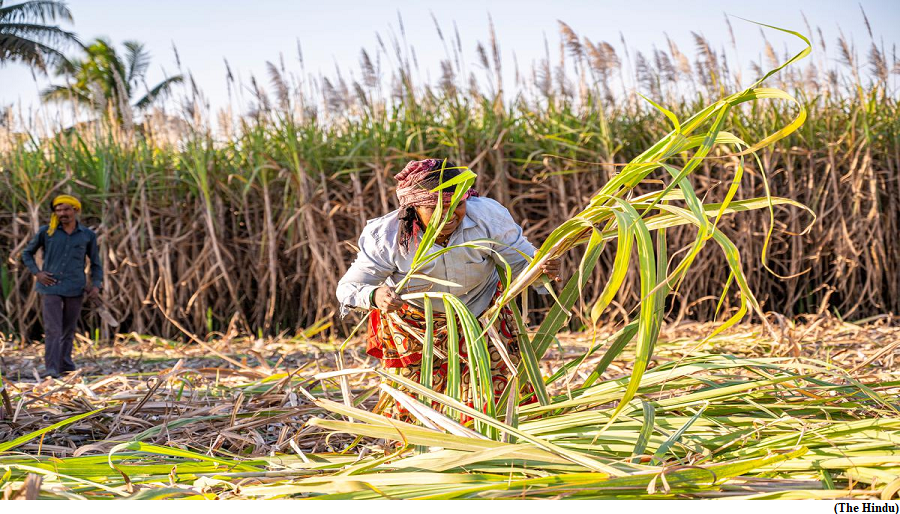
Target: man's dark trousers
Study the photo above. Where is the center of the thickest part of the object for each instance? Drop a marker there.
(61, 315)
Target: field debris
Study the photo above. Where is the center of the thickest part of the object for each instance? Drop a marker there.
(737, 416)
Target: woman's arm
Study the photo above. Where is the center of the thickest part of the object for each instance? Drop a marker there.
(373, 265)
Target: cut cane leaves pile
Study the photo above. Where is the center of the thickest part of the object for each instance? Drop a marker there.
(700, 426)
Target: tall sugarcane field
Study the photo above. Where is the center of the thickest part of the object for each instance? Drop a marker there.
(723, 327)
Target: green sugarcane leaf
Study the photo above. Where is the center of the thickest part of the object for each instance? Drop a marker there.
(427, 363)
(481, 381)
(676, 437)
(454, 380)
(465, 176)
(573, 456)
(648, 320)
(625, 238)
(669, 114)
(446, 283)
(8, 445)
(529, 359)
(178, 452)
(646, 429)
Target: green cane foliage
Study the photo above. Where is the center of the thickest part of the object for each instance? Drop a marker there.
(646, 429)
(427, 362)
(804, 417)
(604, 205)
(559, 313)
(568, 234)
(495, 424)
(625, 238)
(712, 430)
(8, 445)
(454, 379)
(676, 437)
(177, 452)
(529, 359)
(649, 319)
(479, 365)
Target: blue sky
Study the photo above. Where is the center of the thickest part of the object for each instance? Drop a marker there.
(248, 33)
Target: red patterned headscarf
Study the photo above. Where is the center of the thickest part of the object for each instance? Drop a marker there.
(410, 191)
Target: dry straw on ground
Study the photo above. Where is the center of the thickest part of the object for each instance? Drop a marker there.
(168, 420)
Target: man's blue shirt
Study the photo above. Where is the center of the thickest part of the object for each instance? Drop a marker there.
(64, 257)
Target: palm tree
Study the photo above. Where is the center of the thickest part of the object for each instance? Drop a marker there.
(25, 36)
(103, 78)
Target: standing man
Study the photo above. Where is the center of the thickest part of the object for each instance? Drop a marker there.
(61, 282)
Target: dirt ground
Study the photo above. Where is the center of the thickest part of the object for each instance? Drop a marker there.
(147, 384)
(864, 349)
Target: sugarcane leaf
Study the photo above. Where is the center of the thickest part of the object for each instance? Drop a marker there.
(648, 320)
(625, 239)
(454, 374)
(646, 429)
(8, 445)
(529, 359)
(669, 114)
(427, 363)
(676, 437)
(479, 365)
(446, 283)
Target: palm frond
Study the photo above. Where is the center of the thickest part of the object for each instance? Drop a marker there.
(43, 10)
(66, 94)
(27, 51)
(25, 37)
(48, 35)
(137, 60)
(159, 91)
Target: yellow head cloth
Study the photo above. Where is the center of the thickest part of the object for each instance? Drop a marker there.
(61, 199)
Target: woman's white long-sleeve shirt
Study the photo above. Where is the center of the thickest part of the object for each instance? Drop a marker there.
(381, 261)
